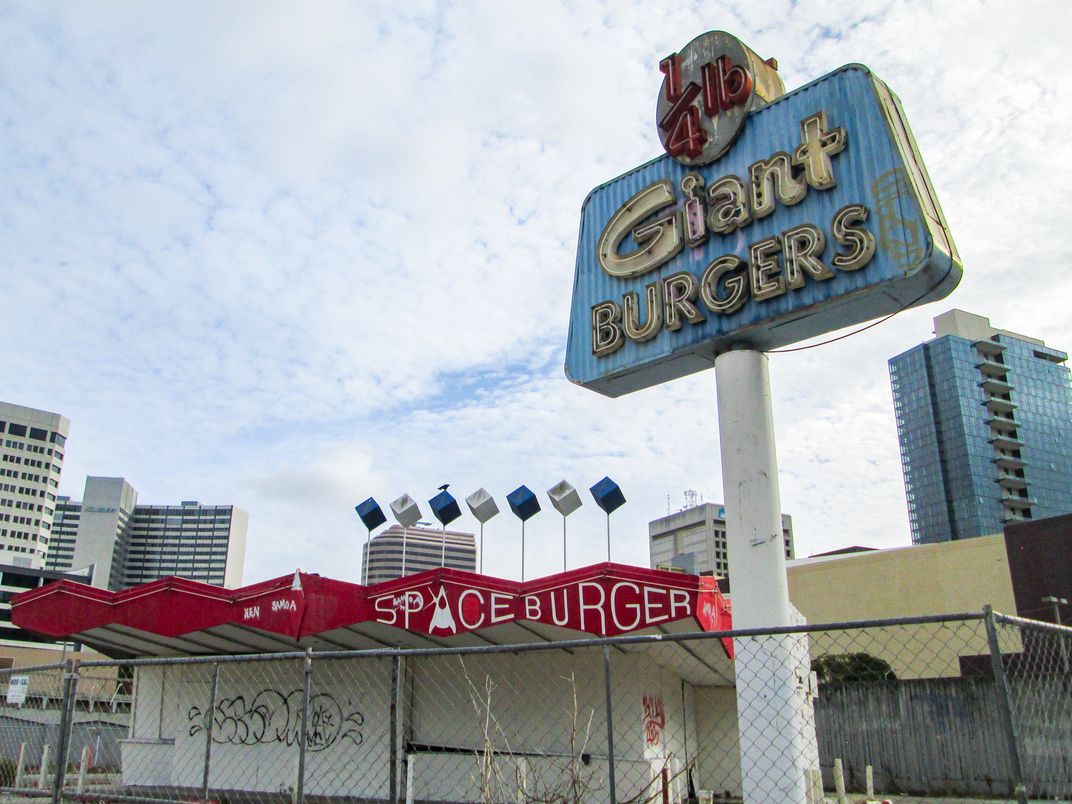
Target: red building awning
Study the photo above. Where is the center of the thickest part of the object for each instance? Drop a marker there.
(441, 607)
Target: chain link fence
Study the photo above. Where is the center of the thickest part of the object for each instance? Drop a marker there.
(965, 705)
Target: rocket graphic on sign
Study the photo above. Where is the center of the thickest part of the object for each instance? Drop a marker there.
(442, 617)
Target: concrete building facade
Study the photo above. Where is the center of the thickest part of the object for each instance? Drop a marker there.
(423, 549)
(129, 544)
(693, 541)
(984, 421)
(14, 579)
(32, 444)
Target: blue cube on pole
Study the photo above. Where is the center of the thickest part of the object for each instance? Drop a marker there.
(523, 503)
(445, 508)
(371, 514)
(608, 495)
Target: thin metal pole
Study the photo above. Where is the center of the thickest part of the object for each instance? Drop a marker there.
(610, 724)
(368, 552)
(685, 737)
(1005, 705)
(1062, 641)
(563, 544)
(608, 538)
(210, 721)
(396, 665)
(303, 735)
(405, 538)
(70, 691)
(481, 548)
(443, 551)
(522, 549)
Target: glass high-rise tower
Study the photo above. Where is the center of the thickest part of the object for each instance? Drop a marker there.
(984, 420)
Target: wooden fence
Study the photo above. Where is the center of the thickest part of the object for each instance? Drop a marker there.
(944, 736)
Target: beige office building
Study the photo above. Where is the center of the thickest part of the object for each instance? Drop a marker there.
(128, 543)
(31, 459)
(693, 540)
(418, 549)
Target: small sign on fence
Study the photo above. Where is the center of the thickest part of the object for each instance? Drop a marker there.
(16, 689)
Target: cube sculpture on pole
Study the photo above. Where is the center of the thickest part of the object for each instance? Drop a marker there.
(565, 500)
(608, 496)
(407, 514)
(483, 507)
(445, 509)
(371, 514)
(406, 511)
(371, 517)
(525, 506)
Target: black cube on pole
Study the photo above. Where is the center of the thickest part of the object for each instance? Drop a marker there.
(371, 517)
(525, 506)
(608, 496)
(445, 509)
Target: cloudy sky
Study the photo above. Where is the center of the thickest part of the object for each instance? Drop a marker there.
(289, 256)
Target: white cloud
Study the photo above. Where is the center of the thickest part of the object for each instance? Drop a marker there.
(291, 257)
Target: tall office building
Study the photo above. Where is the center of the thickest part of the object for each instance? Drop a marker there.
(31, 458)
(984, 420)
(129, 544)
(424, 550)
(694, 541)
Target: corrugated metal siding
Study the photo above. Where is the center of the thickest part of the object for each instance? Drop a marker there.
(849, 98)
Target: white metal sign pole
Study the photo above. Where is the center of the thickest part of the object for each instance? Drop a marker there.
(779, 757)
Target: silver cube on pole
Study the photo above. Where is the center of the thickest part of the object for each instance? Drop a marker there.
(565, 500)
(483, 507)
(407, 514)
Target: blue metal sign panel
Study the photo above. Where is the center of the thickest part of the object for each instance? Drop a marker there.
(821, 215)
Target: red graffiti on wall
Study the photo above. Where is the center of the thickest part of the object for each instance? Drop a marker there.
(654, 719)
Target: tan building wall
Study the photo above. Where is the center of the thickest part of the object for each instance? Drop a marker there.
(98, 687)
(17, 656)
(949, 577)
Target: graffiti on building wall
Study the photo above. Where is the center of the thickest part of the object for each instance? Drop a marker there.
(273, 717)
(654, 719)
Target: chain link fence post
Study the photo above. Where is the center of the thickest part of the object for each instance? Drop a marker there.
(1001, 684)
(63, 740)
(303, 735)
(396, 667)
(210, 720)
(610, 725)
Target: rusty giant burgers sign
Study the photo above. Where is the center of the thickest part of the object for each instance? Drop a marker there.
(772, 218)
